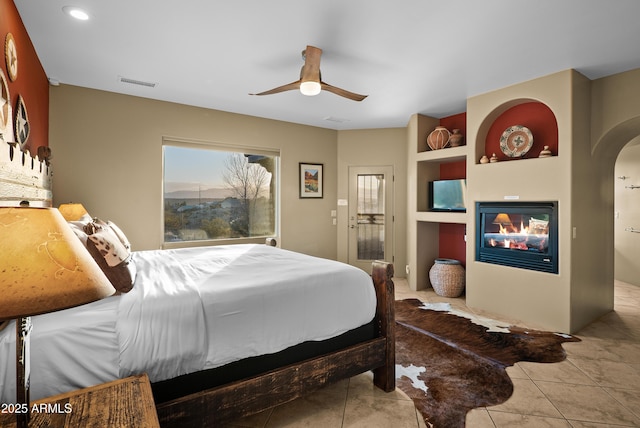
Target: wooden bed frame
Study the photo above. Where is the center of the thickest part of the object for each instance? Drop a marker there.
(216, 406)
(23, 177)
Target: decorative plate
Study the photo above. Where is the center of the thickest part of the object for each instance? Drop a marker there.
(11, 56)
(22, 124)
(5, 105)
(516, 141)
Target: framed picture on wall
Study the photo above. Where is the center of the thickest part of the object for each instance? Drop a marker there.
(311, 180)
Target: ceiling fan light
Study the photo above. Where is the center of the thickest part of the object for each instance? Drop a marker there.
(310, 88)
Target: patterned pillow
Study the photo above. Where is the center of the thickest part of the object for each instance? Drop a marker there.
(122, 276)
(111, 253)
(120, 234)
(78, 227)
(95, 225)
(110, 247)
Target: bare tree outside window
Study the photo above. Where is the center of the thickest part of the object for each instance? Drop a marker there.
(218, 194)
(247, 182)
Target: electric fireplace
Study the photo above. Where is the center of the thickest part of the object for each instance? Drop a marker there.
(518, 234)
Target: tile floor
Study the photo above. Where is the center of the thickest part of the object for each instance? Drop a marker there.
(597, 386)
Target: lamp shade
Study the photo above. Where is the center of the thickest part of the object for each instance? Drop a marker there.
(503, 219)
(72, 211)
(44, 266)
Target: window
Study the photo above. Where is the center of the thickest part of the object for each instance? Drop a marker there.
(213, 192)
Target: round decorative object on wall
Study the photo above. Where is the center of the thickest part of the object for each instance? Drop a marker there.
(22, 124)
(438, 138)
(516, 141)
(5, 108)
(11, 56)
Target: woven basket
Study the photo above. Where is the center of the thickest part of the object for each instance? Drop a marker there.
(447, 277)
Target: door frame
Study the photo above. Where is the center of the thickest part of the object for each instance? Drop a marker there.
(389, 230)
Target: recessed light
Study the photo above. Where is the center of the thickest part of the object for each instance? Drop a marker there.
(76, 12)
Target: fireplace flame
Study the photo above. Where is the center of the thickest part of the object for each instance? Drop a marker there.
(524, 230)
(519, 238)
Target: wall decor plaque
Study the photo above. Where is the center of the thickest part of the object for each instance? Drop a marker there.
(5, 108)
(11, 56)
(22, 124)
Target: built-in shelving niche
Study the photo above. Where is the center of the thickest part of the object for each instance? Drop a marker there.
(535, 115)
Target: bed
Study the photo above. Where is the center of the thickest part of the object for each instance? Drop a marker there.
(223, 332)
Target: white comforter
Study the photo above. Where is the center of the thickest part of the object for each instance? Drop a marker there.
(189, 310)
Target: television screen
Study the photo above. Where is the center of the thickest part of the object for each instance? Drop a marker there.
(448, 195)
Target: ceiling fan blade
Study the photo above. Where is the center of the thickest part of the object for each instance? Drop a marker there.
(342, 92)
(310, 72)
(288, 87)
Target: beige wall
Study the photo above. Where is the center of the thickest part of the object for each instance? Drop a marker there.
(627, 214)
(535, 297)
(583, 288)
(107, 155)
(591, 263)
(615, 112)
(374, 147)
(596, 119)
(422, 236)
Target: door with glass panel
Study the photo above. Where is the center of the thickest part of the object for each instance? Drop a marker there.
(370, 215)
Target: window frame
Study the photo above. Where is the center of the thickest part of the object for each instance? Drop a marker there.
(229, 148)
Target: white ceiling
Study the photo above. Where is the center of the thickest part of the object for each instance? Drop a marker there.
(409, 56)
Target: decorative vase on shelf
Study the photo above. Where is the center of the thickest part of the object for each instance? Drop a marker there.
(545, 153)
(493, 158)
(484, 159)
(438, 138)
(456, 139)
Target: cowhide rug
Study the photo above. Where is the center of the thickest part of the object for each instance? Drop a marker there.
(449, 365)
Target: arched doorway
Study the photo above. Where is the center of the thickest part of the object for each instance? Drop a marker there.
(627, 214)
(607, 151)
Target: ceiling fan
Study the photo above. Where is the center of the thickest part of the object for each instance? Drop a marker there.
(310, 82)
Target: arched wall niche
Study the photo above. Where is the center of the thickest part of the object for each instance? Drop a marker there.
(532, 113)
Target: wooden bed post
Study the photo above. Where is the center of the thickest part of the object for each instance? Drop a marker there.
(385, 377)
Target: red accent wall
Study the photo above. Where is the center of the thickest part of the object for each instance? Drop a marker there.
(457, 121)
(32, 83)
(451, 241)
(453, 170)
(534, 115)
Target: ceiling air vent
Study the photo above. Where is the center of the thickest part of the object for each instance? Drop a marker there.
(136, 82)
(335, 119)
